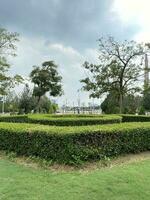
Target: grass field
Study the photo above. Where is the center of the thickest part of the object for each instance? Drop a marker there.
(128, 181)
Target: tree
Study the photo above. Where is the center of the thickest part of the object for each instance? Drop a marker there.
(131, 104)
(146, 99)
(110, 105)
(46, 79)
(46, 106)
(8, 42)
(7, 48)
(11, 103)
(27, 102)
(119, 69)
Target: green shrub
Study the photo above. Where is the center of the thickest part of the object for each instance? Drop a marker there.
(135, 118)
(74, 145)
(74, 121)
(14, 118)
(69, 120)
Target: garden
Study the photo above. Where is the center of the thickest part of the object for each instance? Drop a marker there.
(75, 139)
(90, 142)
(76, 155)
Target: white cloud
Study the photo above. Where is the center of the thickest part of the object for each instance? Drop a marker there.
(65, 50)
(136, 12)
(34, 51)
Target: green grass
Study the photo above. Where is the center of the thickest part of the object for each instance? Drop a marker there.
(127, 182)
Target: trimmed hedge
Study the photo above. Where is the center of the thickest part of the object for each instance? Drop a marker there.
(14, 119)
(75, 115)
(72, 145)
(62, 121)
(73, 120)
(135, 118)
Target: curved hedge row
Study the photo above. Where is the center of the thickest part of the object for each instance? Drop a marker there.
(72, 145)
(62, 121)
(135, 118)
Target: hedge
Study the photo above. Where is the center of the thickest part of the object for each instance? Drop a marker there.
(62, 121)
(135, 118)
(14, 119)
(74, 120)
(74, 115)
(72, 145)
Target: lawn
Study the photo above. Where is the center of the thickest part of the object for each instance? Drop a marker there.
(122, 182)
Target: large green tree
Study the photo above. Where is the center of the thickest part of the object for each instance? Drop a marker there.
(47, 106)
(46, 79)
(110, 105)
(131, 104)
(118, 71)
(7, 48)
(28, 103)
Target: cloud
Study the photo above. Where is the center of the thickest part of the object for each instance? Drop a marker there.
(69, 60)
(135, 12)
(72, 23)
(64, 50)
(64, 31)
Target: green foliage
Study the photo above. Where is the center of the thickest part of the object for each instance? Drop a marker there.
(14, 119)
(118, 70)
(7, 42)
(70, 120)
(131, 104)
(146, 100)
(46, 79)
(110, 105)
(135, 118)
(26, 101)
(11, 103)
(7, 47)
(53, 108)
(47, 106)
(74, 120)
(74, 145)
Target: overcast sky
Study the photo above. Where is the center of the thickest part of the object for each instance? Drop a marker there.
(66, 31)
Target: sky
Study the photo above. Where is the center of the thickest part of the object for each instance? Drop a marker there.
(67, 31)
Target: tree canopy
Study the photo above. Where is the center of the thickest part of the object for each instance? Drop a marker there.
(118, 71)
(7, 48)
(131, 104)
(46, 79)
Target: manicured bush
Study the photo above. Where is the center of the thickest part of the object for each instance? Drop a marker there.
(14, 118)
(72, 145)
(63, 121)
(74, 121)
(135, 118)
(76, 115)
